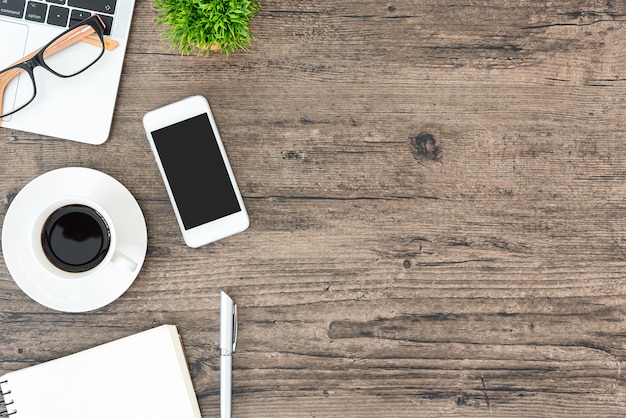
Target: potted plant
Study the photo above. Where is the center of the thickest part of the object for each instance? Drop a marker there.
(207, 25)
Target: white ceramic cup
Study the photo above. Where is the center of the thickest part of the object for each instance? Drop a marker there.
(113, 255)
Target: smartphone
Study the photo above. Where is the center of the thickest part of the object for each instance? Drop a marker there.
(197, 175)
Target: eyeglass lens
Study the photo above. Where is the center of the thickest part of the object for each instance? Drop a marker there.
(68, 55)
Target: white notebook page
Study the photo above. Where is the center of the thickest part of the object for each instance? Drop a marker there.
(143, 375)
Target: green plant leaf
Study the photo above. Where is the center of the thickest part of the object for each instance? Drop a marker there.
(196, 25)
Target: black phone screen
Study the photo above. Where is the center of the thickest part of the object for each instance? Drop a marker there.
(196, 171)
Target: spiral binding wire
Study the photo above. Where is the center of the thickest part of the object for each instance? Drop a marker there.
(4, 404)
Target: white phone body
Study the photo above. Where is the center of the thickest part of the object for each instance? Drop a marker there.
(200, 183)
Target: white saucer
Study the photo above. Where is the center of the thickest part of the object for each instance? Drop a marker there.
(90, 291)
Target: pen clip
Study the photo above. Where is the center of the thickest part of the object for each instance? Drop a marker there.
(234, 327)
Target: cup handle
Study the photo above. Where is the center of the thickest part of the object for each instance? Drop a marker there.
(124, 261)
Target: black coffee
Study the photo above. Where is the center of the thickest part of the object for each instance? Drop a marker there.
(75, 238)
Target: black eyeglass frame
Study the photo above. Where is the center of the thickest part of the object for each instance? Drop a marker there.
(38, 59)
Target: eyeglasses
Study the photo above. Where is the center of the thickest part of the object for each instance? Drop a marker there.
(67, 55)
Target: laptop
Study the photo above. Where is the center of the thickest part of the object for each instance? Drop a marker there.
(79, 108)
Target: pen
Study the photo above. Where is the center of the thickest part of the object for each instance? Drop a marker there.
(228, 340)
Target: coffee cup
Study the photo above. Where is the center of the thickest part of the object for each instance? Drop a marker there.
(75, 238)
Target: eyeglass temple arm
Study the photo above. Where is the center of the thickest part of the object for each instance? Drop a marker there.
(109, 44)
(70, 39)
(92, 39)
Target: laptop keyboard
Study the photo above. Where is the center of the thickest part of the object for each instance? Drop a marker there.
(62, 13)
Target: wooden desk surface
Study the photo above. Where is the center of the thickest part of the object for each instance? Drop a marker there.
(437, 194)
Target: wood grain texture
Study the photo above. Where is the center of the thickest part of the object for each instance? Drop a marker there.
(437, 194)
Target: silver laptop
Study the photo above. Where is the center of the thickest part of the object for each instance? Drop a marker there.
(79, 108)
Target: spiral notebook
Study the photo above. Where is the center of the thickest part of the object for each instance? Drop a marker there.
(143, 375)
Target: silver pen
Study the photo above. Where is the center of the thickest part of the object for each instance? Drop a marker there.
(228, 340)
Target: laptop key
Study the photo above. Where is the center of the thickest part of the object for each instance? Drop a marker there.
(13, 8)
(58, 16)
(36, 11)
(79, 15)
(56, 1)
(108, 23)
(101, 6)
